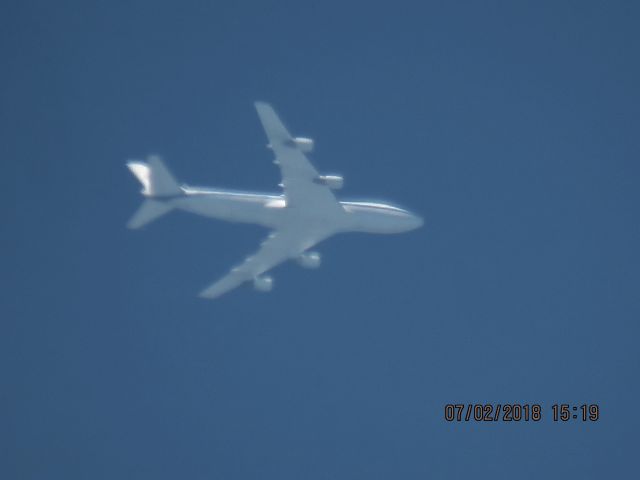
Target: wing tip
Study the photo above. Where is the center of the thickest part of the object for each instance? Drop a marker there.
(207, 294)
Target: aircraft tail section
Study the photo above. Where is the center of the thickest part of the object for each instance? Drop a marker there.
(158, 186)
(155, 178)
(149, 211)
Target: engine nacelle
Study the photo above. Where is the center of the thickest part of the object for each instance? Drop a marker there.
(334, 182)
(304, 144)
(263, 283)
(309, 260)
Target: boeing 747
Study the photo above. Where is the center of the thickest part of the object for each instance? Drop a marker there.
(304, 214)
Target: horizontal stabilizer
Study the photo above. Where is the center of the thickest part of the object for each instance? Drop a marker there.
(148, 212)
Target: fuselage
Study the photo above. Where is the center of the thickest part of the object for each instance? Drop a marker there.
(306, 213)
(271, 211)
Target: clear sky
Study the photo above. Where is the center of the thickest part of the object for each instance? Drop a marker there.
(512, 127)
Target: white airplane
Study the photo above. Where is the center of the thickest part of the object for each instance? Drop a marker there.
(306, 213)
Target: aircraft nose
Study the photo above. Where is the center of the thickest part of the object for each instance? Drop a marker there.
(415, 221)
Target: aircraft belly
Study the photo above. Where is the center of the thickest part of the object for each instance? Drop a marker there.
(231, 210)
(269, 212)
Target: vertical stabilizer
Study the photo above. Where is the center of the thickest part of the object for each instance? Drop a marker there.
(158, 185)
(155, 178)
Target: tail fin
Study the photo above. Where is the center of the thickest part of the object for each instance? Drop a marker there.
(155, 178)
(157, 183)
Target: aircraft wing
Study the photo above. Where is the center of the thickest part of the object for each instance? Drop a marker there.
(298, 174)
(277, 248)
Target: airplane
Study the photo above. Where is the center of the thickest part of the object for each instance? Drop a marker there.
(304, 214)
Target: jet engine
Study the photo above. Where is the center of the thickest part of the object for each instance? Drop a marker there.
(304, 144)
(263, 283)
(334, 182)
(309, 260)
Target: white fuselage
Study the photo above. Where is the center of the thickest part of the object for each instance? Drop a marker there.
(271, 211)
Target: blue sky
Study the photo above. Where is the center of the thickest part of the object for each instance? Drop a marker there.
(512, 127)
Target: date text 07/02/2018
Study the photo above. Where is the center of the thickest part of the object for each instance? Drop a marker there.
(519, 412)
